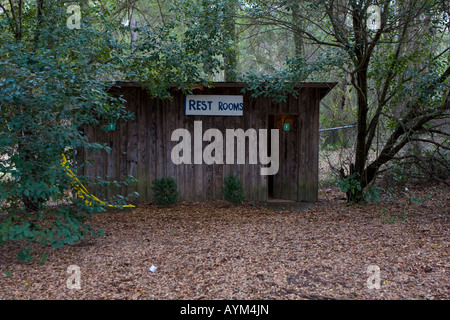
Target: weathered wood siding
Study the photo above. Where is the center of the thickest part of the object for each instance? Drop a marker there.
(142, 147)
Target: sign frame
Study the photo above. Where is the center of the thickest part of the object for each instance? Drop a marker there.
(214, 105)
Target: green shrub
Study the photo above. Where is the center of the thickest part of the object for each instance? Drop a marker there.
(352, 187)
(373, 195)
(165, 191)
(232, 189)
(355, 194)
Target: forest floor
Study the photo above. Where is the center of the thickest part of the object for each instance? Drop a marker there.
(215, 250)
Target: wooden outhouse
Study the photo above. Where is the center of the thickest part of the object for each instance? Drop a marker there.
(151, 145)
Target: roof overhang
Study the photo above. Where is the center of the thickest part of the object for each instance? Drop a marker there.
(324, 87)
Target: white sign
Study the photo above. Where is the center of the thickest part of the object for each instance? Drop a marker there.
(206, 105)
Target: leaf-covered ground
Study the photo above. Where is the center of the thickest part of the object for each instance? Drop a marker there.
(218, 251)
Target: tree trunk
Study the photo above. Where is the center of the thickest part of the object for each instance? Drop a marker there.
(40, 8)
(298, 35)
(230, 57)
(133, 25)
(361, 154)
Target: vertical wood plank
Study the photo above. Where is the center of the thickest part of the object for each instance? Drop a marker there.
(153, 163)
(142, 153)
(302, 165)
(148, 170)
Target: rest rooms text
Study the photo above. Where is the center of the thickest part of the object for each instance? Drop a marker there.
(214, 105)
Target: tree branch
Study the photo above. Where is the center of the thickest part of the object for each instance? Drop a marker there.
(11, 24)
(432, 142)
(382, 101)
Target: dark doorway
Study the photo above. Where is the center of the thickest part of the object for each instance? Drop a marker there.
(284, 185)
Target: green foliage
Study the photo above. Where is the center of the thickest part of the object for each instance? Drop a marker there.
(8, 274)
(355, 194)
(165, 191)
(24, 255)
(372, 195)
(423, 163)
(52, 85)
(390, 219)
(280, 84)
(351, 186)
(43, 258)
(183, 51)
(412, 199)
(338, 144)
(232, 189)
(398, 173)
(54, 82)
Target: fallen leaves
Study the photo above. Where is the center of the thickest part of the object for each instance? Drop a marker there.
(215, 250)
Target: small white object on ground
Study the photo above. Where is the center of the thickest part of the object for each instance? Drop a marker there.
(152, 268)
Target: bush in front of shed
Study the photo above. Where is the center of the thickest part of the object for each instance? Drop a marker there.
(165, 191)
(232, 189)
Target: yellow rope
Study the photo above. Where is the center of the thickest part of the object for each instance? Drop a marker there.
(82, 192)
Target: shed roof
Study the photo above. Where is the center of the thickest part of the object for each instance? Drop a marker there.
(325, 87)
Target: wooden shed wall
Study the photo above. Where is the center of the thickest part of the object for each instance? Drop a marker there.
(142, 147)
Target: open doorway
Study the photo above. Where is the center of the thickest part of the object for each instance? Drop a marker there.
(284, 184)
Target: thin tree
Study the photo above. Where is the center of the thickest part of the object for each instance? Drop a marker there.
(384, 68)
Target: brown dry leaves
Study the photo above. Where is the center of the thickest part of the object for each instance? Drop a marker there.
(218, 251)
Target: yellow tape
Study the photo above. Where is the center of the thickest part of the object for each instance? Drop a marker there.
(82, 192)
